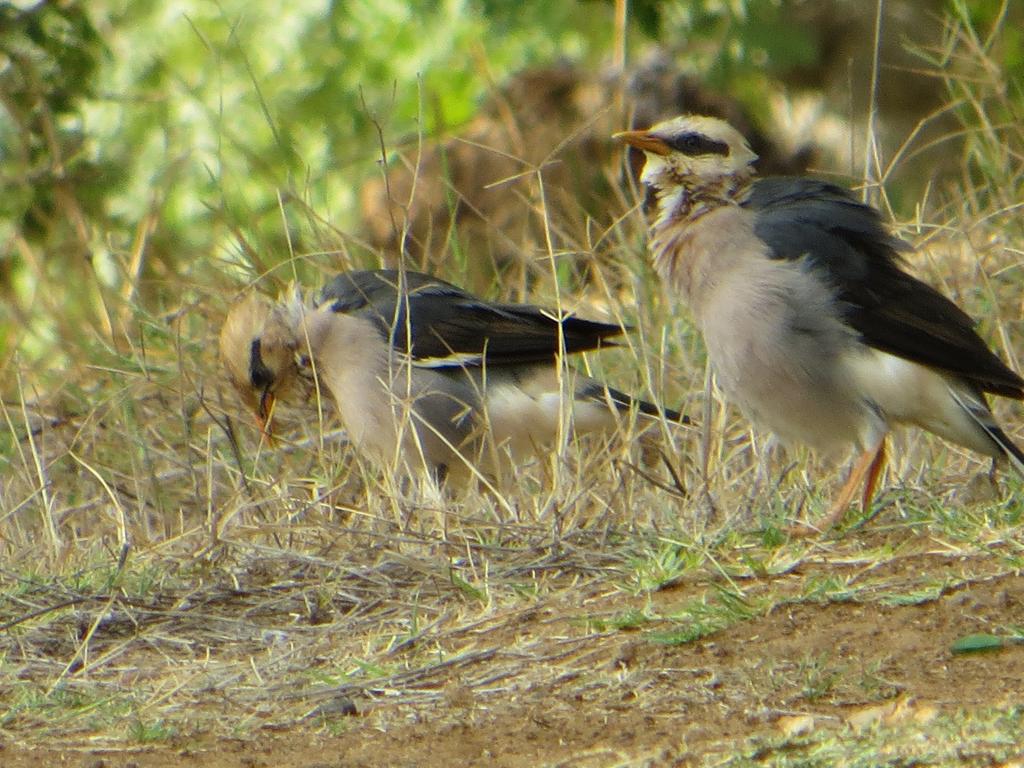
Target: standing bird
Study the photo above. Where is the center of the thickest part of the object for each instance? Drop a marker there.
(811, 325)
(421, 371)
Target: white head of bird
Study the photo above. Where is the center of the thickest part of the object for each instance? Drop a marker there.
(260, 348)
(691, 153)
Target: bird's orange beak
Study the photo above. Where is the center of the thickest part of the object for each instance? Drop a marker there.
(644, 140)
(265, 414)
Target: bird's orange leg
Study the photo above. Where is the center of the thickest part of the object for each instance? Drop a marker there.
(866, 470)
(874, 472)
(265, 417)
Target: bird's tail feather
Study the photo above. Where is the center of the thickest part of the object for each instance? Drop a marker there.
(625, 402)
(1013, 452)
(983, 418)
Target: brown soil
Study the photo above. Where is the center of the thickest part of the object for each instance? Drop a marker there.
(540, 686)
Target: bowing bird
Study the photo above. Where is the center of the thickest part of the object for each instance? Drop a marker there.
(421, 371)
(811, 324)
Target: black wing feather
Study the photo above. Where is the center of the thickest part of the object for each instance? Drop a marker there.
(445, 320)
(848, 243)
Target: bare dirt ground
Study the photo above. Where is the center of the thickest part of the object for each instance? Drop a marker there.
(837, 649)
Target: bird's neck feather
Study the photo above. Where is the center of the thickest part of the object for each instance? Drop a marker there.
(690, 197)
(680, 207)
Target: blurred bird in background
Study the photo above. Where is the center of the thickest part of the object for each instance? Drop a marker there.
(812, 326)
(423, 374)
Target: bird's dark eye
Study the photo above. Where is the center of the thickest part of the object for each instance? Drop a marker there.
(694, 144)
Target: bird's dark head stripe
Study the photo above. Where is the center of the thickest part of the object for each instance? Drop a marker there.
(695, 144)
(260, 376)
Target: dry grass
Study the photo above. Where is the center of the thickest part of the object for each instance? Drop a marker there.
(167, 577)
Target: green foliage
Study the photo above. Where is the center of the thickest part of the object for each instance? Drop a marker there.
(663, 566)
(625, 621)
(149, 732)
(740, 37)
(50, 183)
